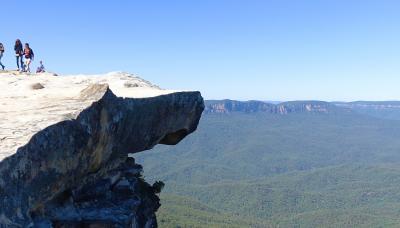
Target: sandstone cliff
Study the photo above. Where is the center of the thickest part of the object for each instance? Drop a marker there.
(230, 106)
(65, 141)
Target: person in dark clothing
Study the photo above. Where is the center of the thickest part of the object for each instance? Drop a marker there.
(19, 54)
(1, 55)
(41, 68)
(28, 54)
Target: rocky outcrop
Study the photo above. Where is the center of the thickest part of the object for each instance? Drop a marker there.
(77, 173)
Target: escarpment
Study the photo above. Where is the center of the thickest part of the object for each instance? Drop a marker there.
(66, 147)
(231, 106)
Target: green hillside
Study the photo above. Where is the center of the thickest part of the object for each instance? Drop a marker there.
(370, 192)
(298, 170)
(180, 211)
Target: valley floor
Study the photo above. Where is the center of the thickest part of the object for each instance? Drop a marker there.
(298, 170)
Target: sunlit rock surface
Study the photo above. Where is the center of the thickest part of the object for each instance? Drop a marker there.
(64, 145)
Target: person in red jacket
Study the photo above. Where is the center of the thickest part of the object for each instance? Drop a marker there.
(28, 54)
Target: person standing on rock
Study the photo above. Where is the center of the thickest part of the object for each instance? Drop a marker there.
(28, 54)
(18, 54)
(1, 55)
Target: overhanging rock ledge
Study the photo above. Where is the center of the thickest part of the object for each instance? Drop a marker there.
(76, 172)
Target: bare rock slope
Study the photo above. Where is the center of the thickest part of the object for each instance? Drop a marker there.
(64, 145)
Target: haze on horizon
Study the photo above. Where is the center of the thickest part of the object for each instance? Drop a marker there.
(245, 50)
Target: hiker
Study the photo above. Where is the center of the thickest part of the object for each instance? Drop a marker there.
(1, 55)
(41, 68)
(18, 54)
(28, 54)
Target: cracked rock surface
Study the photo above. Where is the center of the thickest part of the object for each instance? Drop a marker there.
(64, 148)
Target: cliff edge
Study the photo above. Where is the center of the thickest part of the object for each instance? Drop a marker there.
(64, 146)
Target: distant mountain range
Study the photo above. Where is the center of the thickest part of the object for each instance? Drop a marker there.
(229, 106)
(388, 109)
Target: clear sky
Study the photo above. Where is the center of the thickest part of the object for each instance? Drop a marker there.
(247, 49)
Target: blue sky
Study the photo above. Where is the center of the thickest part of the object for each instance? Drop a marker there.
(264, 50)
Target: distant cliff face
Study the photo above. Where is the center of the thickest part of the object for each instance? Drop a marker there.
(229, 106)
(379, 109)
(73, 170)
(377, 105)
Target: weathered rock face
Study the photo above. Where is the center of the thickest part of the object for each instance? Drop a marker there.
(76, 172)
